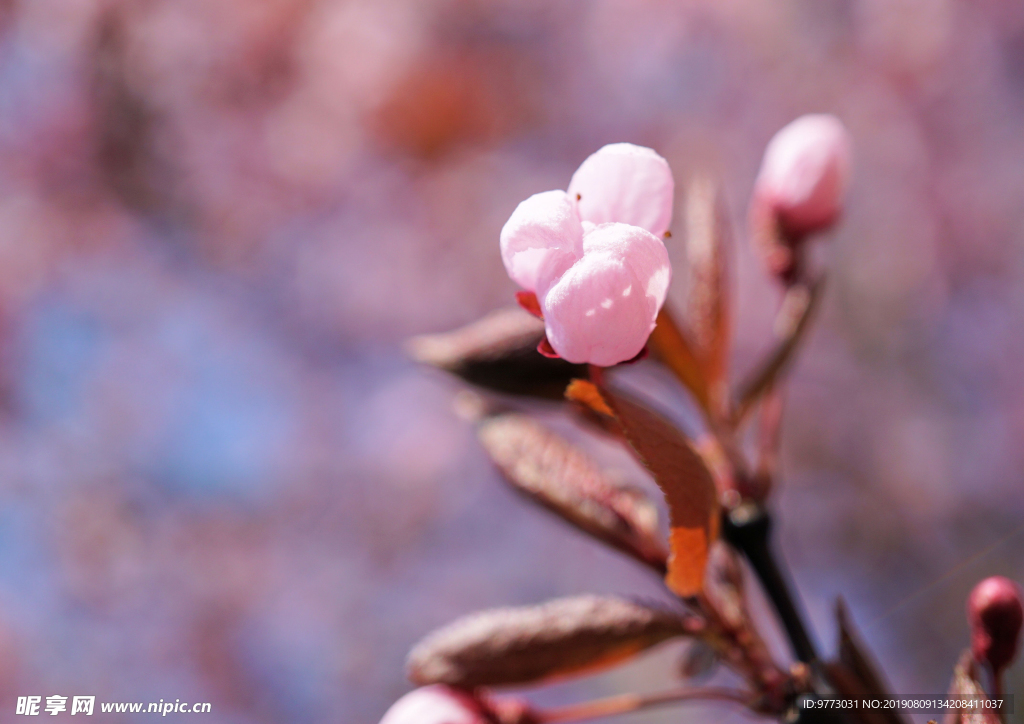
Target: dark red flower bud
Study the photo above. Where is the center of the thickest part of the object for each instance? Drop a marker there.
(995, 614)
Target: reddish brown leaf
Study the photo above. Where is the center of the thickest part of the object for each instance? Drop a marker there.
(853, 653)
(848, 686)
(855, 674)
(563, 637)
(670, 346)
(498, 352)
(707, 295)
(680, 473)
(564, 479)
(769, 440)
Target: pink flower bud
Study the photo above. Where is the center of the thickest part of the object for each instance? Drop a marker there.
(804, 174)
(626, 184)
(995, 614)
(541, 239)
(437, 704)
(603, 309)
(598, 273)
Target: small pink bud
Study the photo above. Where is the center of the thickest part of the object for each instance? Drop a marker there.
(804, 174)
(995, 615)
(437, 704)
(602, 310)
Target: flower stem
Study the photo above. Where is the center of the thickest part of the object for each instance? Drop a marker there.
(748, 527)
(997, 693)
(627, 703)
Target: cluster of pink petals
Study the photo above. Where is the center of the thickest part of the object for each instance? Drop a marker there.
(436, 704)
(804, 174)
(593, 255)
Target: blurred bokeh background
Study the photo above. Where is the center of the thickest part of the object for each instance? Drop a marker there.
(221, 479)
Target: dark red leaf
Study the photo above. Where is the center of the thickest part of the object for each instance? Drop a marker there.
(707, 313)
(681, 474)
(564, 479)
(562, 637)
(498, 352)
(855, 674)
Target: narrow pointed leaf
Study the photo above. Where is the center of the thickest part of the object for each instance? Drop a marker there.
(853, 653)
(670, 346)
(564, 479)
(856, 675)
(707, 312)
(769, 440)
(498, 352)
(562, 637)
(680, 473)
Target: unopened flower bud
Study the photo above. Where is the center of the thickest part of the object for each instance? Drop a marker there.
(995, 615)
(437, 704)
(804, 174)
(592, 258)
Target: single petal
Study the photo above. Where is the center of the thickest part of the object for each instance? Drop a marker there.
(603, 309)
(645, 254)
(541, 239)
(626, 184)
(437, 704)
(805, 172)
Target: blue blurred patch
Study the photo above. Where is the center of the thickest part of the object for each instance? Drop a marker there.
(220, 417)
(224, 433)
(60, 350)
(231, 419)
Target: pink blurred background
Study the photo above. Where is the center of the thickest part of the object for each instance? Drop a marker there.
(220, 478)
